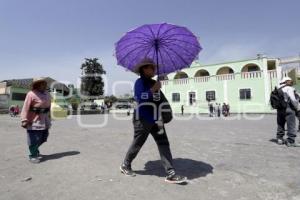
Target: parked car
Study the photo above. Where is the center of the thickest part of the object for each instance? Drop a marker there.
(123, 105)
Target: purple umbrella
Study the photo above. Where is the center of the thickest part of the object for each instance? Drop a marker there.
(171, 47)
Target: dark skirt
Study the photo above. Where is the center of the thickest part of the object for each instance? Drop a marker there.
(37, 137)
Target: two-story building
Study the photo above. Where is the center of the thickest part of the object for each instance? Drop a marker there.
(245, 85)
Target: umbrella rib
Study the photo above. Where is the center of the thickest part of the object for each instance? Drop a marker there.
(153, 35)
(167, 41)
(129, 53)
(191, 54)
(162, 61)
(149, 51)
(170, 36)
(178, 34)
(129, 38)
(145, 54)
(159, 28)
(164, 33)
(177, 55)
(134, 31)
(141, 44)
(174, 64)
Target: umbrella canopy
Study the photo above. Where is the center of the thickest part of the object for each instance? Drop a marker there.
(169, 46)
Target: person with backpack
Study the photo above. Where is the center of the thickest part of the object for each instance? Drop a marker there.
(283, 99)
(146, 120)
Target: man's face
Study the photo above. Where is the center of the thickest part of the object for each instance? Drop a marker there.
(149, 70)
(289, 82)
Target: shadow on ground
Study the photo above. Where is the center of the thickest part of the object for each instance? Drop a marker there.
(273, 140)
(192, 169)
(59, 155)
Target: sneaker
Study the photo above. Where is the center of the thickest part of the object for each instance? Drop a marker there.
(127, 170)
(176, 179)
(280, 141)
(40, 156)
(34, 160)
(294, 144)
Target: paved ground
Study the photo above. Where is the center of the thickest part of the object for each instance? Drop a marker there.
(224, 159)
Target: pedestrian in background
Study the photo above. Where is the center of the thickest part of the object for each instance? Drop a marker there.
(219, 109)
(286, 114)
(35, 117)
(16, 111)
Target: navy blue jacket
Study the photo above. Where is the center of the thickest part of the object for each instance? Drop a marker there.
(143, 94)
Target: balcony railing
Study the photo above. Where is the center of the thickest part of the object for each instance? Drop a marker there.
(201, 79)
(181, 81)
(272, 74)
(249, 75)
(164, 82)
(224, 77)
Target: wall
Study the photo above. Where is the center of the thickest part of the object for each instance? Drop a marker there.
(226, 87)
(16, 90)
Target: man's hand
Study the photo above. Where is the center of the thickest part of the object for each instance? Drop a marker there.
(24, 124)
(156, 87)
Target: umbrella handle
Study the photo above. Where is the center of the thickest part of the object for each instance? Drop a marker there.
(156, 44)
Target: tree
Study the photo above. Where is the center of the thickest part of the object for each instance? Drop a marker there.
(91, 81)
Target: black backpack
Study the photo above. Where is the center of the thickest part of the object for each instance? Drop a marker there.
(277, 99)
(166, 110)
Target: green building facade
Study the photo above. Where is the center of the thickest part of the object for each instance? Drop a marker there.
(13, 92)
(245, 85)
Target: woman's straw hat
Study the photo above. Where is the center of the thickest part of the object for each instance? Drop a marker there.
(144, 62)
(38, 80)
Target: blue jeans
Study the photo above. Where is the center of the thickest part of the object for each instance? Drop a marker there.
(35, 138)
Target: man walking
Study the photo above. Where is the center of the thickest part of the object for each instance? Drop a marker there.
(287, 114)
(145, 121)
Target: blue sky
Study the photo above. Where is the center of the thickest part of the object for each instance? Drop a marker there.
(52, 37)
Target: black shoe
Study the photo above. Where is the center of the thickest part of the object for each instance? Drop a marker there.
(280, 141)
(176, 179)
(292, 144)
(127, 170)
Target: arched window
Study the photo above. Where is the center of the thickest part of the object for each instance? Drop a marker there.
(250, 68)
(202, 72)
(181, 75)
(225, 70)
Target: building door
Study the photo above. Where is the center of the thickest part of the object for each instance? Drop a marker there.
(192, 98)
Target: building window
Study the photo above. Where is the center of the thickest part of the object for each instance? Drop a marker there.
(175, 97)
(253, 68)
(245, 94)
(210, 95)
(18, 96)
(192, 98)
